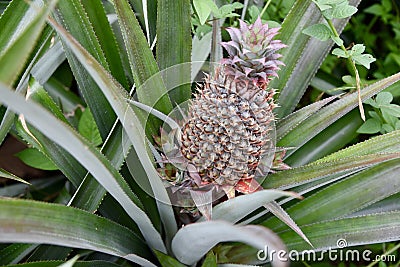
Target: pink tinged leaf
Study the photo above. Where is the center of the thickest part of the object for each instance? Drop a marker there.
(247, 70)
(248, 186)
(235, 34)
(229, 191)
(203, 201)
(194, 174)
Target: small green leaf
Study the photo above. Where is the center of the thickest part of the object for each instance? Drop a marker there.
(375, 9)
(340, 53)
(203, 9)
(371, 126)
(357, 49)
(88, 128)
(384, 98)
(8, 175)
(365, 60)
(387, 128)
(343, 10)
(392, 109)
(34, 158)
(319, 31)
(337, 40)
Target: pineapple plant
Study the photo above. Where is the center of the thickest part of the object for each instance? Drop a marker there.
(71, 57)
(226, 141)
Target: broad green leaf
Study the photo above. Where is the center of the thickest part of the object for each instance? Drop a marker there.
(203, 9)
(14, 253)
(330, 140)
(166, 260)
(384, 98)
(331, 113)
(16, 53)
(340, 53)
(193, 241)
(132, 126)
(319, 31)
(346, 196)
(22, 221)
(340, 11)
(48, 63)
(73, 16)
(8, 175)
(322, 168)
(285, 125)
(89, 156)
(386, 143)
(101, 26)
(370, 126)
(87, 128)
(303, 56)
(354, 231)
(365, 60)
(362, 230)
(173, 48)
(143, 64)
(34, 158)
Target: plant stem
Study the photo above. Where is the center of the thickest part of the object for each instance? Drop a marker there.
(353, 65)
(265, 8)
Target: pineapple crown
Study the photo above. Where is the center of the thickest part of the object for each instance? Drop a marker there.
(252, 52)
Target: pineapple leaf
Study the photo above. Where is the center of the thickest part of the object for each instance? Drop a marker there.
(190, 245)
(143, 64)
(351, 231)
(68, 13)
(331, 113)
(357, 191)
(285, 125)
(173, 26)
(386, 143)
(303, 56)
(245, 204)
(15, 252)
(86, 154)
(131, 124)
(360, 230)
(27, 226)
(8, 175)
(16, 48)
(323, 168)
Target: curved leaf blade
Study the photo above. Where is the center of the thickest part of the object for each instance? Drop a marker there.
(22, 221)
(89, 156)
(193, 241)
(117, 97)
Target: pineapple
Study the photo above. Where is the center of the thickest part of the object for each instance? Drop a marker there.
(225, 140)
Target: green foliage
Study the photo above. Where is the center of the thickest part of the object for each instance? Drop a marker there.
(72, 77)
(384, 117)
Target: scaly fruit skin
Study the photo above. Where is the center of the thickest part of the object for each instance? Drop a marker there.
(227, 130)
(226, 134)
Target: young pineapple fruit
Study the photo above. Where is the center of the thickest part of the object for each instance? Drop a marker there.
(227, 131)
